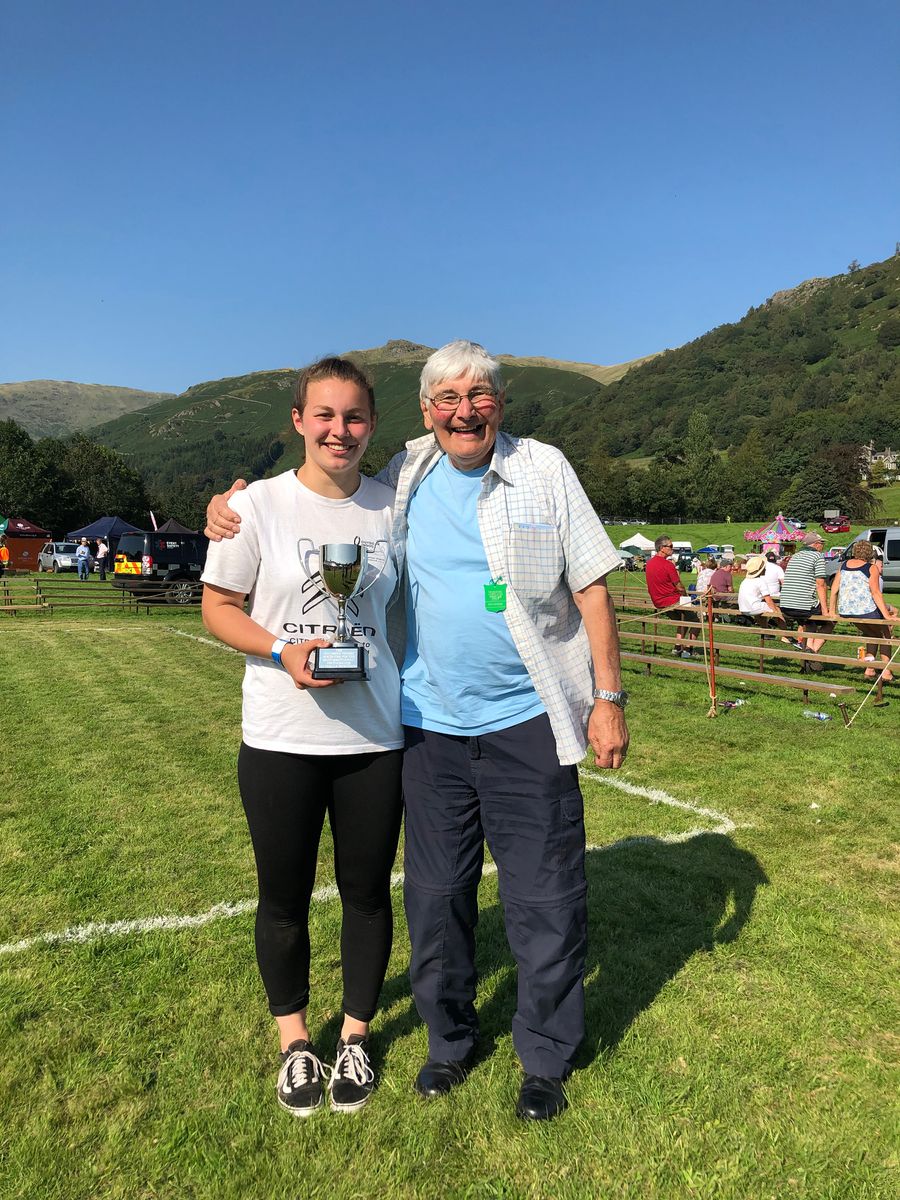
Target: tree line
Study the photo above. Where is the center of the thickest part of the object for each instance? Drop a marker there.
(692, 480)
(62, 484)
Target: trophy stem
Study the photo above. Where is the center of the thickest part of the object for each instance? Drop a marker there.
(343, 632)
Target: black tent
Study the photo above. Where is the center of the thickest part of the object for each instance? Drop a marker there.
(173, 526)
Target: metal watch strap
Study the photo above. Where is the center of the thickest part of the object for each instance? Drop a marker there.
(277, 649)
(619, 698)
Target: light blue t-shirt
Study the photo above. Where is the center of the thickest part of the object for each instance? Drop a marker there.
(462, 673)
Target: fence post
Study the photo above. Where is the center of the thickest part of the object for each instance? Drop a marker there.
(712, 652)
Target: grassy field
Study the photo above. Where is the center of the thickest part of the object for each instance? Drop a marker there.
(711, 533)
(742, 1003)
(890, 502)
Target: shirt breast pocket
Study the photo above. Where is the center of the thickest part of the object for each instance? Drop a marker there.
(535, 561)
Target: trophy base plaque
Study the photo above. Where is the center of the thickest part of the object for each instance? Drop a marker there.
(341, 662)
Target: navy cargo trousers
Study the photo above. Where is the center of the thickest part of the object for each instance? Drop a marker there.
(508, 789)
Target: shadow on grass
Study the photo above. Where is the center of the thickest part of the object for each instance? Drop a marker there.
(652, 905)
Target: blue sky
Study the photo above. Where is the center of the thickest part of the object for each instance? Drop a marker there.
(194, 190)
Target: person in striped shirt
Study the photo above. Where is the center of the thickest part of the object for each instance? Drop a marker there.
(804, 594)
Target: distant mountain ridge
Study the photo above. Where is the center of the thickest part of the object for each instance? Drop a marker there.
(58, 407)
(816, 364)
(241, 425)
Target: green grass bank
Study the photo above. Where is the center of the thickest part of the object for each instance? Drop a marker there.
(741, 992)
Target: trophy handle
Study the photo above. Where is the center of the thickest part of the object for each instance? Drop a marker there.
(313, 549)
(380, 571)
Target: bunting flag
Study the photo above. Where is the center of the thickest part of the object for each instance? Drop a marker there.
(4, 521)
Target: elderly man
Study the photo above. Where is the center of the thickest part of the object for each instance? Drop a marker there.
(510, 668)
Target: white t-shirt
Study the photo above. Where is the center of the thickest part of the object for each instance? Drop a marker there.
(751, 593)
(280, 520)
(774, 578)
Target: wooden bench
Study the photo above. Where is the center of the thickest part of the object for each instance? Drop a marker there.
(756, 651)
(841, 691)
(17, 608)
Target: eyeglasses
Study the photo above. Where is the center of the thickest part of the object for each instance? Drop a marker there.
(479, 397)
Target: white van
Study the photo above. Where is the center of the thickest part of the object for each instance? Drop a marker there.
(887, 539)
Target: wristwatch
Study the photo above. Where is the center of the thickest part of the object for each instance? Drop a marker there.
(619, 698)
(277, 648)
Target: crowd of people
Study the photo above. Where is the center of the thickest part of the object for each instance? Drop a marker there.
(781, 594)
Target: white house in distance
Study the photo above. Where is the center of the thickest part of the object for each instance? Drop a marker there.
(887, 458)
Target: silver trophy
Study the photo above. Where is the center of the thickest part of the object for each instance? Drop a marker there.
(342, 569)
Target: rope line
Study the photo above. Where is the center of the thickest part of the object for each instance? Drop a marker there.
(875, 684)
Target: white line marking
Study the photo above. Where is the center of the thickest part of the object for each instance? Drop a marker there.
(723, 824)
(195, 637)
(80, 934)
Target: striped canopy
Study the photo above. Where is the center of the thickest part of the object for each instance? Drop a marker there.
(777, 531)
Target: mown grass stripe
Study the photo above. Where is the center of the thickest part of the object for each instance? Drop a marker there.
(93, 930)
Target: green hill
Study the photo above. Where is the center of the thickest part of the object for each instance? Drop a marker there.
(56, 407)
(817, 364)
(242, 425)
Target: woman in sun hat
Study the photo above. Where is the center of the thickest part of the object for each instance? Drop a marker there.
(856, 594)
(754, 596)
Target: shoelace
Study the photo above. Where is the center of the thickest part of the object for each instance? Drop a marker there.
(353, 1063)
(300, 1068)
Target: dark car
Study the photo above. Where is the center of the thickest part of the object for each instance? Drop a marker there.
(173, 561)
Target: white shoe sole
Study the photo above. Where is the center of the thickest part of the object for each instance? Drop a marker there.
(350, 1108)
(300, 1112)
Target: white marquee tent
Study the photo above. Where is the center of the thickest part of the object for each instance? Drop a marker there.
(637, 541)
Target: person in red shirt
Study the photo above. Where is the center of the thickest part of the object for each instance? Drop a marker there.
(666, 589)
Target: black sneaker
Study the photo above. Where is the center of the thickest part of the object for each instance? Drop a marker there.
(352, 1080)
(301, 1080)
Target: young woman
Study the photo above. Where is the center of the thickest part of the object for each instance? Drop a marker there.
(856, 593)
(308, 746)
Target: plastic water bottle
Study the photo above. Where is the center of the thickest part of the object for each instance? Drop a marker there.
(816, 716)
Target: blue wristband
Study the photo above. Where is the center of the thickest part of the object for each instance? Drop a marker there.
(277, 649)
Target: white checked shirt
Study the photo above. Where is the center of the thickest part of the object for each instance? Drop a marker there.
(543, 539)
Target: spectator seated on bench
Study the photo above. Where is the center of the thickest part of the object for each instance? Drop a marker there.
(754, 595)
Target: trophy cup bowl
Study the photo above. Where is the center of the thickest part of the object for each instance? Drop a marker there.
(342, 566)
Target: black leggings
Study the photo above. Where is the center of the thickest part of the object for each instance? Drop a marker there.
(285, 798)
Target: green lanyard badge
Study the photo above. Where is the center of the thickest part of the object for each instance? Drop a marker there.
(495, 595)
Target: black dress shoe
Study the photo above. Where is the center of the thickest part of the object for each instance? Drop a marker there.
(437, 1078)
(540, 1099)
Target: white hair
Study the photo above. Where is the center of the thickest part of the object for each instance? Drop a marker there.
(457, 360)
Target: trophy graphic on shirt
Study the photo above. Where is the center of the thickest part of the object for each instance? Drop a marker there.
(342, 570)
